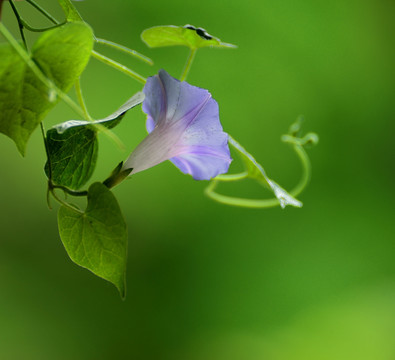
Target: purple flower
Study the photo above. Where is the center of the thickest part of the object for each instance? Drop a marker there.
(184, 127)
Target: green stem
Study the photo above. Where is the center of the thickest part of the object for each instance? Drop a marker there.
(30, 28)
(23, 24)
(306, 173)
(240, 202)
(264, 203)
(52, 88)
(125, 50)
(43, 11)
(188, 64)
(81, 100)
(118, 66)
(69, 191)
(232, 177)
(64, 203)
(99, 127)
(20, 24)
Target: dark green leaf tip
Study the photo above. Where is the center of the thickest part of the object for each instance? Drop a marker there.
(188, 35)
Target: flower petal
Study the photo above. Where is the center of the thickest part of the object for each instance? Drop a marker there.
(202, 163)
(206, 152)
(169, 100)
(184, 127)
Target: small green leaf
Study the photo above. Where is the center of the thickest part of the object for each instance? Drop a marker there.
(97, 238)
(62, 55)
(117, 176)
(187, 35)
(73, 155)
(255, 171)
(70, 11)
(110, 121)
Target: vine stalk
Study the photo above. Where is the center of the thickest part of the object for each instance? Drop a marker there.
(264, 203)
(188, 64)
(116, 65)
(125, 49)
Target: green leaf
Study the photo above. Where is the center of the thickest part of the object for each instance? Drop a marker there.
(187, 35)
(110, 121)
(97, 238)
(73, 155)
(62, 55)
(18, 110)
(70, 11)
(72, 146)
(255, 171)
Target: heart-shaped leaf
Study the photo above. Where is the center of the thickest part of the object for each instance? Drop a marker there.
(187, 35)
(62, 55)
(73, 156)
(96, 239)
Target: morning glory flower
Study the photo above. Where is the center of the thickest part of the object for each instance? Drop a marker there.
(184, 127)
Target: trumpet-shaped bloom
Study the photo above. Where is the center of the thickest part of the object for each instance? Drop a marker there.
(184, 127)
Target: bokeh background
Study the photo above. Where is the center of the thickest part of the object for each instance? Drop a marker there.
(206, 281)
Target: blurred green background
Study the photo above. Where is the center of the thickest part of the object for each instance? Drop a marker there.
(206, 281)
